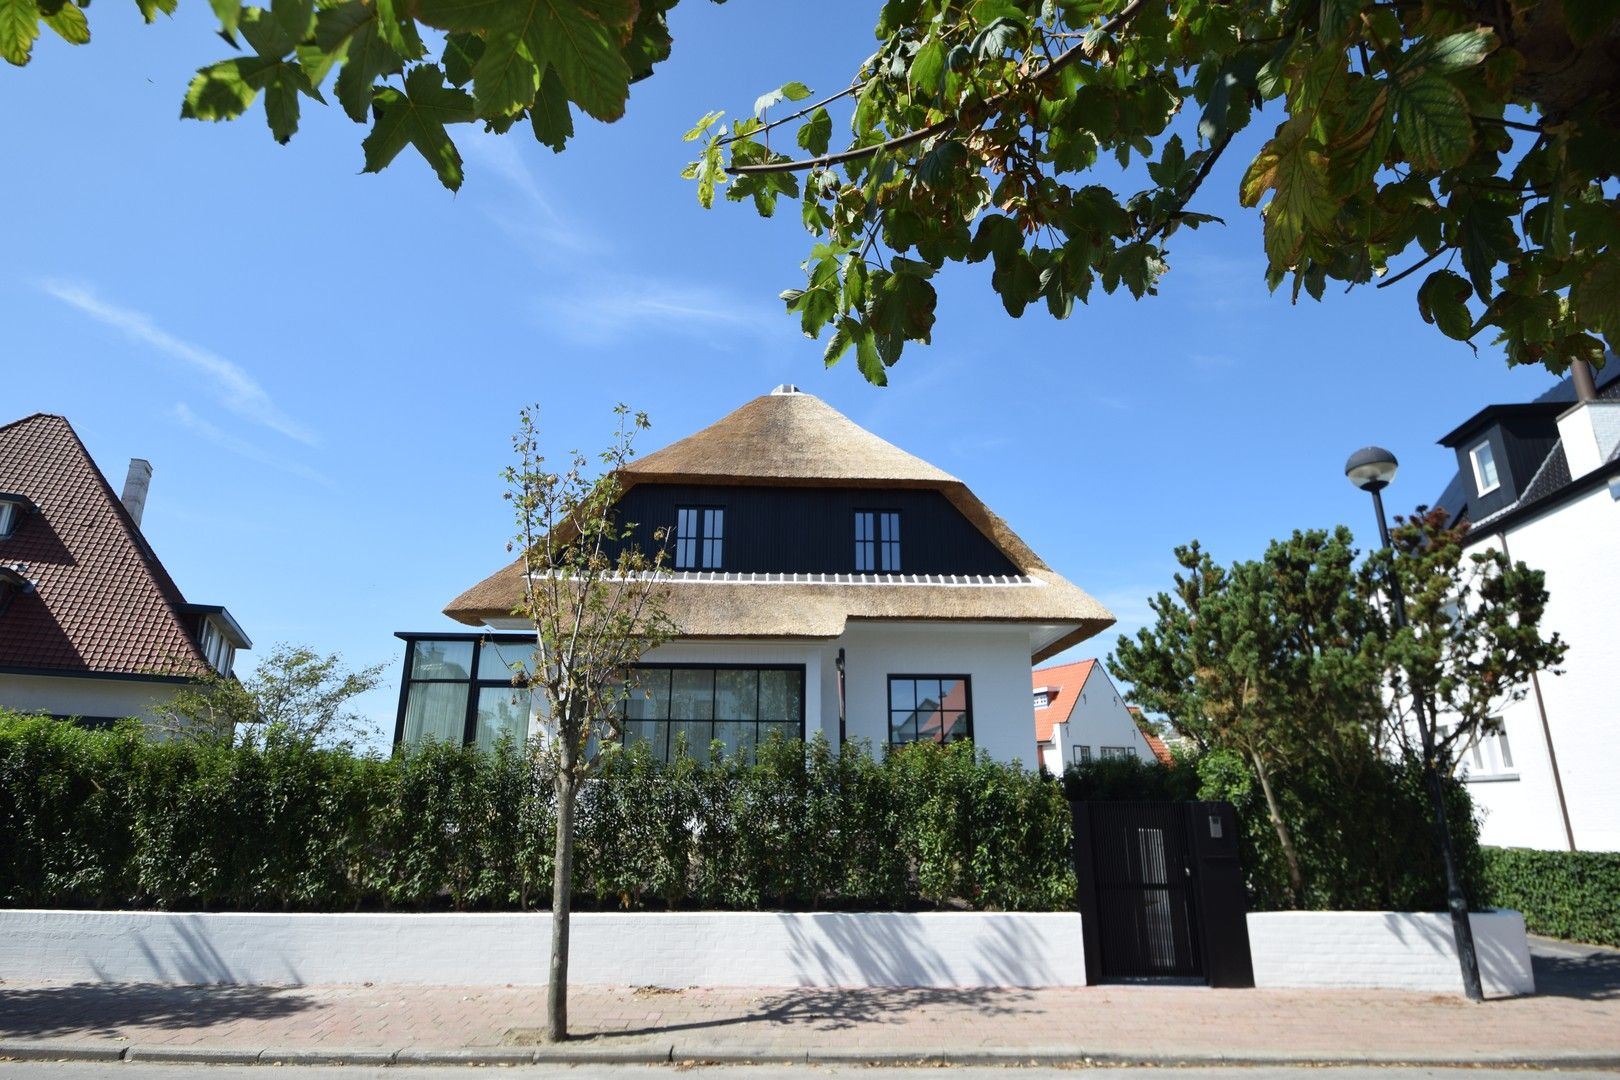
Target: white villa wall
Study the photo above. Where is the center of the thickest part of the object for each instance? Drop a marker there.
(995, 657)
(1099, 719)
(1574, 545)
(69, 696)
(712, 948)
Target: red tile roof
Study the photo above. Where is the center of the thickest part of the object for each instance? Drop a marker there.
(101, 600)
(1156, 744)
(1064, 681)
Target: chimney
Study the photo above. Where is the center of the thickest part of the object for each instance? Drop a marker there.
(1591, 434)
(135, 485)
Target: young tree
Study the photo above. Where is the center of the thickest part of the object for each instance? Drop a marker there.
(1483, 133)
(1273, 659)
(597, 604)
(294, 693)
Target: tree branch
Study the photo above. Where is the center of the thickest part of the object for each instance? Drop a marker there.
(1064, 59)
(1414, 268)
(1216, 149)
(852, 88)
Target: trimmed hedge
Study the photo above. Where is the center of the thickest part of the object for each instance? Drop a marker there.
(110, 819)
(1563, 894)
(1365, 841)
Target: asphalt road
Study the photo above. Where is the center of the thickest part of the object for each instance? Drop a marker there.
(55, 1070)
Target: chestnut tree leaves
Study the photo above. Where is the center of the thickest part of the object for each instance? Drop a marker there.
(1472, 141)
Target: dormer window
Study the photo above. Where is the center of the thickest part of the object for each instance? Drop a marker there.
(1043, 697)
(699, 537)
(12, 510)
(218, 636)
(877, 541)
(1484, 461)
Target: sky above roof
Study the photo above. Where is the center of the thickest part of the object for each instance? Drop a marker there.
(325, 367)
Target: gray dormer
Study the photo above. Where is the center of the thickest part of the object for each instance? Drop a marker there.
(1498, 452)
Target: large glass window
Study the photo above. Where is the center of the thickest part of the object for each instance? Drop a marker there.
(700, 533)
(465, 690)
(739, 706)
(877, 541)
(929, 708)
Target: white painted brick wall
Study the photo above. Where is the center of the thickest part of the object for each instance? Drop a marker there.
(1386, 950)
(940, 949)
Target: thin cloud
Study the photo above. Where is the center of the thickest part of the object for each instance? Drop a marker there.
(195, 424)
(537, 219)
(612, 309)
(1131, 611)
(237, 390)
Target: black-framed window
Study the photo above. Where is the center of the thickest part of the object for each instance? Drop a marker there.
(1081, 754)
(877, 541)
(459, 688)
(1116, 753)
(930, 708)
(700, 533)
(740, 705)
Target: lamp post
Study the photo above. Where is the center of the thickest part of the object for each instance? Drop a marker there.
(1371, 469)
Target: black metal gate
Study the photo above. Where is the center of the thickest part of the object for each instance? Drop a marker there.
(1161, 893)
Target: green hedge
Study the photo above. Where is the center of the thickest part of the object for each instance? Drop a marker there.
(1365, 840)
(109, 819)
(1563, 894)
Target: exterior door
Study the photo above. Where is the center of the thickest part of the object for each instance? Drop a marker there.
(1145, 901)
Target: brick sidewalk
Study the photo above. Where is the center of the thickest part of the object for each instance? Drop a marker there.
(1132, 1022)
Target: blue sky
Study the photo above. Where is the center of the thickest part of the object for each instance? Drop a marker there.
(325, 367)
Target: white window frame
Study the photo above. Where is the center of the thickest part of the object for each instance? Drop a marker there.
(8, 517)
(1479, 474)
(1043, 698)
(1118, 753)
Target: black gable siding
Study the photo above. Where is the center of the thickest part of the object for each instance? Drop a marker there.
(1520, 446)
(812, 530)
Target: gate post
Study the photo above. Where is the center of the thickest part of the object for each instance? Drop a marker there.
(1086, 893)
(1222, 905)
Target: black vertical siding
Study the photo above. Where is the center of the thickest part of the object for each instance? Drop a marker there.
(812, 530)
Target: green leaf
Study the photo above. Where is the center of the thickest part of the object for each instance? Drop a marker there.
(816, 133)
(793, 91)
(1596, 298)
(927, 74)
(1431, 120)
(70, 25)
(295, 17)
(939, 167)
(837, 345)
(1455, 52)
(1443, 301)
(867, 358)
(1000, 36)
(702, 125)
(505, 78)
(19, 27)
(571, 38)
(223, 91)
(281, 109)
(417, 117)
(229, 14)
(550, 116)
(150, 8)
(266, 34)
(367, 59)
(461, 54)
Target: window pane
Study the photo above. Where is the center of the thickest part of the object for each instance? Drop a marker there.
(891, 527)
(654, 733)
(502, 710)
(495, 659)
(736, 695)
(902, 694)
(1502, 745)
(711, 554)
(434, 659)
(436, 711)
(786, 731)
(714, 524)
(928, 695)
(738, 739)
(954, 725)
(952, 694)
(780, 697)
(647, 697)
(902, 727)
(697, 736)
(692, 695)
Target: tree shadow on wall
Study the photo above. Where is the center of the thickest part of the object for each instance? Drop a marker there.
(112, 1009)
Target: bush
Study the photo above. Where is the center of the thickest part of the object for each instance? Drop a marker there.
(1364, 837)
(1565, 894)
(111, 819)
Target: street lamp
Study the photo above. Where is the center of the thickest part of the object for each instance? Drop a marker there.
(1371, 469)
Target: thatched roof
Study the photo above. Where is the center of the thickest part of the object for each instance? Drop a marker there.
(795, 439)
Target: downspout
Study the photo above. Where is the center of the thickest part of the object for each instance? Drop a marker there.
(1585, 388)
(1541, 707)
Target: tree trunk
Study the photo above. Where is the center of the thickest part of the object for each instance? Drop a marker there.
(562, 891)
(1296, 882)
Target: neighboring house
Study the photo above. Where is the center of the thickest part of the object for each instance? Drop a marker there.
(1079, 717)
(91, 625)
(824, 582)
(1541, 482)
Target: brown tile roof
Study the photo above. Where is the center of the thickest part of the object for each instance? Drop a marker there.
(101, 600)
(1064, 681)
(799, 440)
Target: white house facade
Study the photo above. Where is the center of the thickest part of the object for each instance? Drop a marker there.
(1541, 483)
(824, 582)
(1079, 717)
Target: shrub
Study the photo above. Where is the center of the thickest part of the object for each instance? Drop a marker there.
(1364, 837)
(111, 819)
(1564, 894)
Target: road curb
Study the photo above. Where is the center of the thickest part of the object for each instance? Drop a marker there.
(41, 1050)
